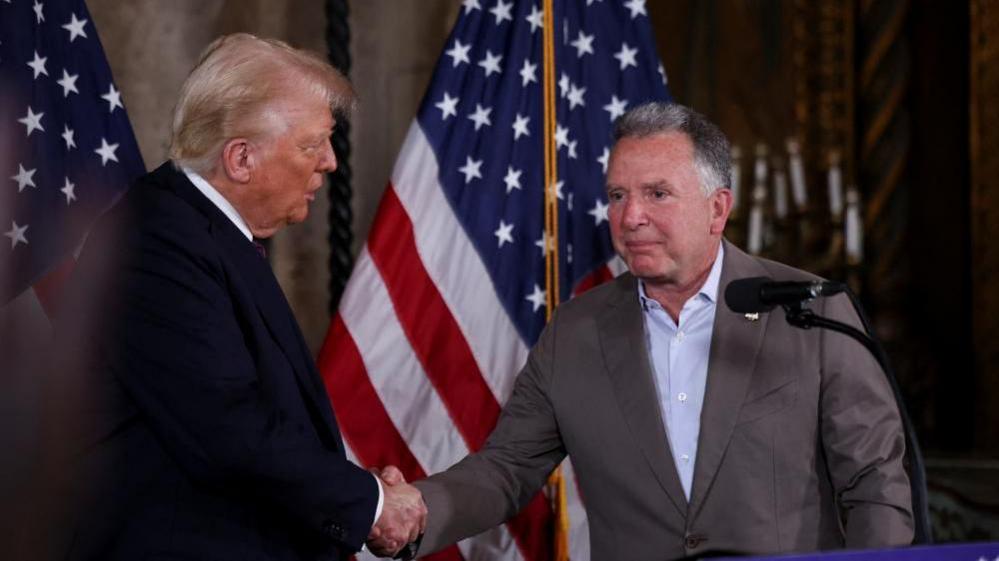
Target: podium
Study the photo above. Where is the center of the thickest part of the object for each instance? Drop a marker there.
(949, 552)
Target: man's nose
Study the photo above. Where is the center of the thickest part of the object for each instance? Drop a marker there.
(633, 214)
(328, 161)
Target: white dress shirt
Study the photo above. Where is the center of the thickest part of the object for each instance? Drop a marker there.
(678, 352)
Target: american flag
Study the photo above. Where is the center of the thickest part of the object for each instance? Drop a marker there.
(66, 145)
(448, 293)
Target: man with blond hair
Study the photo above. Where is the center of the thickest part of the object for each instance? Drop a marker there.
(212, 436)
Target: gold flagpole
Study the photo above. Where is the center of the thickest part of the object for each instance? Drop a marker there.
(556, 481)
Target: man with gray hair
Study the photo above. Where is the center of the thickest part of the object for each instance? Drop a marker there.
(692, 429)
(212, 436)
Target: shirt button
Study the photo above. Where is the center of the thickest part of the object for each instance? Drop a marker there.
(680, 336)
(685, 457)
(682, 397)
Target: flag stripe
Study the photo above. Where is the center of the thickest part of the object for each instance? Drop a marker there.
(372, 328)
(455, 266)
(384, 350)
(376, 442)
(442, 349)
(429, 326)
(374, 439)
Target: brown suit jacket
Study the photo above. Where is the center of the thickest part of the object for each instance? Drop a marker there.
(800, 446)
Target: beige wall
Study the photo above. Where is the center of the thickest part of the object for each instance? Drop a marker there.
(152, 44)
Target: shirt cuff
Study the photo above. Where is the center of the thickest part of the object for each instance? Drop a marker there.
(381, 500)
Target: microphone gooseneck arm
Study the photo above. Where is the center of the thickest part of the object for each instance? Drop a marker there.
(800, 316)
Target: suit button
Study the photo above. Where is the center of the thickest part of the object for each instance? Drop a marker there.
(333, 530)
(691, 541)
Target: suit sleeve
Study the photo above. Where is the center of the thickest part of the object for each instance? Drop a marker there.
(490, 486)
(863, 439)
(182, 354)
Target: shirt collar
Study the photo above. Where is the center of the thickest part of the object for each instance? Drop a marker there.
(709, 289)
(218, 200)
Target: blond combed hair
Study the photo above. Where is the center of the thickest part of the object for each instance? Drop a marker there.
(228, 92)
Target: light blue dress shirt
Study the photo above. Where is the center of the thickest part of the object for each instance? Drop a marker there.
(679, 358)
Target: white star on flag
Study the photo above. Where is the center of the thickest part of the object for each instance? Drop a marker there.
(538, 297)
(471, 5)
(68, 189)
(113, 97)
(68, 83)
(598, 212)
(604, 159)
(576, 97)
(583, 44)
(501, 11)
(544, 247)
(636, 6)
(536, 19)
(24, 178)
(75, 28)
(481, 116)
(504, 234)
(558, 189)
(16, 234)
(561, 136)
(563, 85)
(107, 152)
(527, 73)
(627, 56)
(471, 169)
(491, 64)
(448, 106)
(38, 65)
(512, 179)
(458, 53)
(38, 12)
(32, 121)
(616, 107)
(520, 126)
(67, 136)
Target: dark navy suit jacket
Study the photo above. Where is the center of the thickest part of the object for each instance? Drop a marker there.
(212, 436)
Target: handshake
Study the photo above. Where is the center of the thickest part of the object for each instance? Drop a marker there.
(403, 518)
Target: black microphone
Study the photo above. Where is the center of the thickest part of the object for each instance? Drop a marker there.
(761, 294)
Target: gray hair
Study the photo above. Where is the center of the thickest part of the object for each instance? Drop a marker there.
(712, 153)
(236, 80)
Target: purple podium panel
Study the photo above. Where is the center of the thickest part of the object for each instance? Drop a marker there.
(951, 552)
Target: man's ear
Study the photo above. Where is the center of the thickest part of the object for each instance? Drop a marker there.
(237, 160)
(721, 206)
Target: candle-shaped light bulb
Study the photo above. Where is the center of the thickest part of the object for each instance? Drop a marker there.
(760, 167)
(854, 227)
(754, 239)
(780, 189)
(835, 179)
(797, 170)
(735, 176)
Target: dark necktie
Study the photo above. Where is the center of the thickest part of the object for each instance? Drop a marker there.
(260, 249)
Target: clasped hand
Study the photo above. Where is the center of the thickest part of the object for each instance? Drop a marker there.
(403, 517)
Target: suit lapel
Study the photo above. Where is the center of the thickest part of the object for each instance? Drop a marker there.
(280, 322)
(622, 339)
(267, 295)
(735, 344)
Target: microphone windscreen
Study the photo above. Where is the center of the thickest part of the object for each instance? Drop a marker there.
(743, 295)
